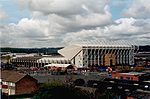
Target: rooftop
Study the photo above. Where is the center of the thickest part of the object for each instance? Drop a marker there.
(106, 43)
(11, 76)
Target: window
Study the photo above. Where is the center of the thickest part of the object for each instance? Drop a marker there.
(5, 83)
(12, 84)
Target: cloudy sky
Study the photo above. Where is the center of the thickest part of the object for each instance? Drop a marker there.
(53, 23)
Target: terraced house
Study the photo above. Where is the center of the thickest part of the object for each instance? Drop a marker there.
(15, 83)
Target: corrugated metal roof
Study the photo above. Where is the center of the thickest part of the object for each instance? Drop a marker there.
(51, 59)
(70, 51)
(106, 43)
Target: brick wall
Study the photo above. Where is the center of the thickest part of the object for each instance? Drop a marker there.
(108, 58)
(124, 77)
(26, 85)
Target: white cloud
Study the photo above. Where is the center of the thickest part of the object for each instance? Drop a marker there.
(138, 9)
(71, 15)
(67, 7)
(57, 22)
(75, 14)
(95, 19)
(125, 28)
(51, 20)
(35, 33)
(25, 33)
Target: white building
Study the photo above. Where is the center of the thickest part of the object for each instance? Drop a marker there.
(52, 60)
(39, 61)
(105, 53)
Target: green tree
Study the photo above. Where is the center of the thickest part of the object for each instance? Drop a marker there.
(59, 91)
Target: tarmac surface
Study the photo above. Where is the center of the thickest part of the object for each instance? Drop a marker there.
(45, 78)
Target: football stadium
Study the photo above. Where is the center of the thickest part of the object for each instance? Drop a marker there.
(100, 53)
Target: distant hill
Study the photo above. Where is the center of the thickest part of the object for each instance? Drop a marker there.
(31, 50)
(145, 48)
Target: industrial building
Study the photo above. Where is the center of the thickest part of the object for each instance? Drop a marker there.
(38, 61)
(100, 53)
(142, 59)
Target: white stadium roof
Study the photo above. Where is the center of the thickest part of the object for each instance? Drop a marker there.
(52, 59)
(72, 50)
(105, 43)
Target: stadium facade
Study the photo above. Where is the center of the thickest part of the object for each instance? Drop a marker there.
(100, 53)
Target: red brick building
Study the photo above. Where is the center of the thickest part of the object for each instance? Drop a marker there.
(15, 83)
(142, 59)
(127, 76)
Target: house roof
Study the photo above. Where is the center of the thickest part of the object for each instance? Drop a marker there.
(11, 76)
